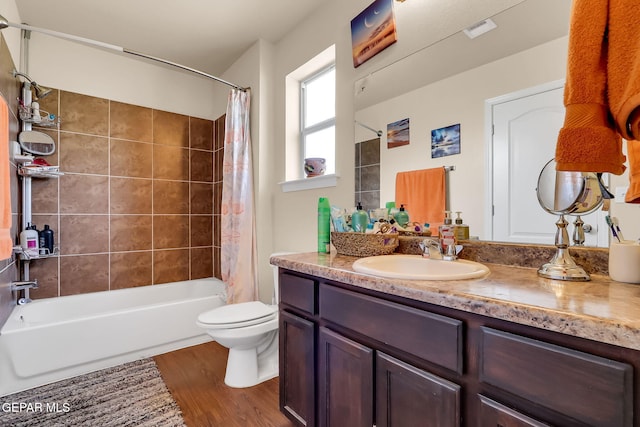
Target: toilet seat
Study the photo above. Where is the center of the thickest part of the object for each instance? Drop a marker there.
(237, 315)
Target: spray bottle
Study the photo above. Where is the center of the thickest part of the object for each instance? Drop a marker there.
(324, 225)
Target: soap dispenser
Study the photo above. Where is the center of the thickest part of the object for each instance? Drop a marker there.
(461, 230)
(446, 232)
(402, 217)
(359, 219)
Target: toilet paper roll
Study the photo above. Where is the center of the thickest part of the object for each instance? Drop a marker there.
(624, 261)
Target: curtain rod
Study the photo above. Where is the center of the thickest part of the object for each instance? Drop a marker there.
(377, 132)
(4, 24)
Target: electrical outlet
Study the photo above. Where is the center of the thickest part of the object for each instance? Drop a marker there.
(621, 192)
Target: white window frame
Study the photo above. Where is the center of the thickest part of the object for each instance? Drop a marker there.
(304, 130)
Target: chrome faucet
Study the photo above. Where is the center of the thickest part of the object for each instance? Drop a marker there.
(431, 248)
(24, 286)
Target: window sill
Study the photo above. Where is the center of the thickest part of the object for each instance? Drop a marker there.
(310, 183)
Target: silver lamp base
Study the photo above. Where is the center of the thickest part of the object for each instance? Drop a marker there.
(562, 266)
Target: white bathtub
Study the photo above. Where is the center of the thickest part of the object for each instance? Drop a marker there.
(55, 338)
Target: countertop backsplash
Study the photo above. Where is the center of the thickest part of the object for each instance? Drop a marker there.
(593, 260)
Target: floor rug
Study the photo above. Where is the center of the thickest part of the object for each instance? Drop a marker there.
(132, 394)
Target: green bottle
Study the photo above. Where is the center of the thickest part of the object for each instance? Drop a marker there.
(324, 220)
(359, 219)
(402, 217)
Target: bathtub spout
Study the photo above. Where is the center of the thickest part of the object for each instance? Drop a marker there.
(24, 286)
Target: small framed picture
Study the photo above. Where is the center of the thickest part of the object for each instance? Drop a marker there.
(372, 31)
(398, 133)
(445, 141)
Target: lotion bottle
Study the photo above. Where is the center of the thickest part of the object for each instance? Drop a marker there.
(29, 241)
(402, 217)
(446, 232)
(359, 219)
(461, 230)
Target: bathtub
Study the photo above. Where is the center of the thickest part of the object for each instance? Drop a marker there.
(56, 338)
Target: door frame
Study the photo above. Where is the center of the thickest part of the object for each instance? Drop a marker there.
(488, 142)
(602, 231)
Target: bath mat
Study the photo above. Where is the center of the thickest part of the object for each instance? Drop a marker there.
(132, 394)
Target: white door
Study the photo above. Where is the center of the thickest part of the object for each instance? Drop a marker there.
(525, 131)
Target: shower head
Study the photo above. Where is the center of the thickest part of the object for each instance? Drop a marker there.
(3, 22)
(40, 91)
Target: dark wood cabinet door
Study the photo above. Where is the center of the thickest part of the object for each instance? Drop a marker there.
(345, 381)
(297, 363)
(493, 414)
(408, 396)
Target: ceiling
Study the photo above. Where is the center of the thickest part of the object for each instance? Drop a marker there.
(204, 34)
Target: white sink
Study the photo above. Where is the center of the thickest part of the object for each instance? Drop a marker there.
(415, 267)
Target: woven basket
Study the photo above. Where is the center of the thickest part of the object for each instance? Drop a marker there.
(425, 233)
(363, 244)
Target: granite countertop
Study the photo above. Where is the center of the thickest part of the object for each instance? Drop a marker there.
(600, 310)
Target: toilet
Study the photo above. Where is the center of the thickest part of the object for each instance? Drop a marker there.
(250, 331)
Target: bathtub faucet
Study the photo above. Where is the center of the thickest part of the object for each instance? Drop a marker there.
(24, 286)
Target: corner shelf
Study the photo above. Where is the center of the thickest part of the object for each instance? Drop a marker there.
(18, 250)
(39, 171)
(46, 120)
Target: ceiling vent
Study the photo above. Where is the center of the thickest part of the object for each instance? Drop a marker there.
(480, 28)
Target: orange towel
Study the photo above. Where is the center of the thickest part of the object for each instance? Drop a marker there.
(623, 71)
(602, 94)
(6, 242)
(423, 194)
(587, 142)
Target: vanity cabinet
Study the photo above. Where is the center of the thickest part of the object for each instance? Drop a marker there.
(297, 349)
(354, 357)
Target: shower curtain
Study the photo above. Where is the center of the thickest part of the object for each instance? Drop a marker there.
(238, 245)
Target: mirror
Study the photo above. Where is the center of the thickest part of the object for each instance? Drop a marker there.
(447, 83)
(566, 193)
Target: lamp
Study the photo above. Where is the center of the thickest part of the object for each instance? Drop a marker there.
(40, 91)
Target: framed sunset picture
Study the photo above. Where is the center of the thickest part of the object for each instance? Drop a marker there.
(398, 133)
(372, 31)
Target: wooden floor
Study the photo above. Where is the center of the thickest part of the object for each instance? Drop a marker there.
(195, 377)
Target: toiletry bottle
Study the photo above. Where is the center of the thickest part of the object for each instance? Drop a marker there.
(389, 206)
(29, 241)
(402, 217)
(446, 232)
(35, 112)
(461, 230)
(324, 219)
(46, 241)
(359, 219)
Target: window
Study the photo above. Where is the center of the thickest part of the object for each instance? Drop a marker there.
(318, 117)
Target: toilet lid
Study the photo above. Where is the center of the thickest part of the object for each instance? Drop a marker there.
(242, 314)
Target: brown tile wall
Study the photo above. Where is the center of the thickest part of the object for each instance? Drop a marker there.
(367, 174)
(137, 204)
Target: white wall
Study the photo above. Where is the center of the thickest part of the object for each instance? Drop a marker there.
(255, 70)
(295, 213)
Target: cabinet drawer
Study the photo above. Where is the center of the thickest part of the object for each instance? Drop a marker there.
(298, 292)
(429, 336)
(588, 388)
(494, 414)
